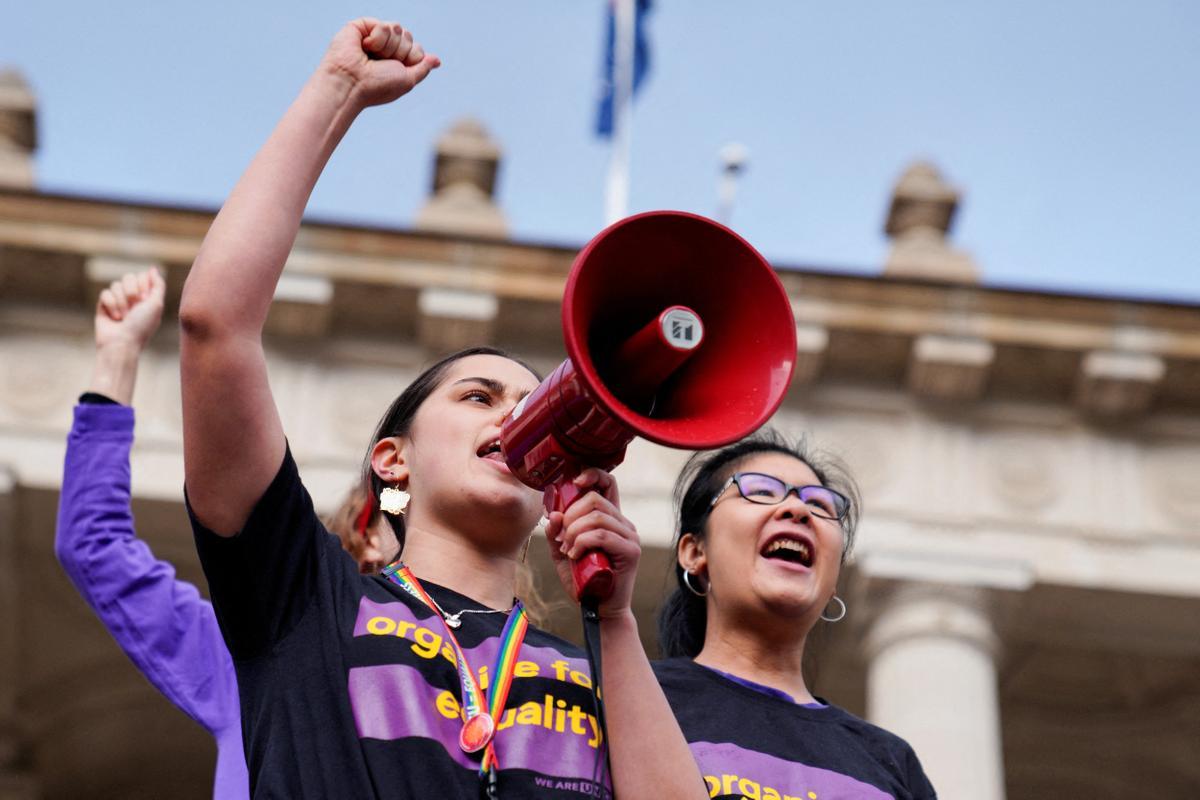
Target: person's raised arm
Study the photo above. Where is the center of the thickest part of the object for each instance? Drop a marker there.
(162, 623)
(636, 710)
(232, 436)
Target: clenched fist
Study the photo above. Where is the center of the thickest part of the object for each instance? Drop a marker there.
(381, 59)
(129, 310)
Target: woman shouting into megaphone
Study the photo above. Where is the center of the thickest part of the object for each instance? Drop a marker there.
(426, 680)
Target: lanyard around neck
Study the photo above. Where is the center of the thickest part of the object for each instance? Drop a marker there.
(479, 723)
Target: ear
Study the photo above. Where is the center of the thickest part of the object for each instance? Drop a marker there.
(388, 460)
(690, 554)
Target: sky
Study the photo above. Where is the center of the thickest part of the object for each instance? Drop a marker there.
(1071, 128)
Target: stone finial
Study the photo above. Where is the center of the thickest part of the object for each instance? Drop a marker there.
(922, 209)
(18, 131)
(464, 182)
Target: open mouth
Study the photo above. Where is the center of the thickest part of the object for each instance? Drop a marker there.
(491, 450)
(792, 550)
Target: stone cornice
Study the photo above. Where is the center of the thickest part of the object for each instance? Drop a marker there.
(171, 235)
(948, 343)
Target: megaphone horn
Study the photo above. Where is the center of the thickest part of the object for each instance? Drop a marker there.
(676, 330)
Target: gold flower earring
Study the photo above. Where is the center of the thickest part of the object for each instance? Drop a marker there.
(394, 500)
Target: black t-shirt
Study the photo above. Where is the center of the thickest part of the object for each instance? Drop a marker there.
(750, 744)
(348, 685)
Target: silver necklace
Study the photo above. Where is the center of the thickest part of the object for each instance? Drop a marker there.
(455, 620)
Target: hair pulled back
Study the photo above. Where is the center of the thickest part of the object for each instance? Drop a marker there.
(684, 616)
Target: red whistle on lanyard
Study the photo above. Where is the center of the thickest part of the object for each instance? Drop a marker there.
(676, 331)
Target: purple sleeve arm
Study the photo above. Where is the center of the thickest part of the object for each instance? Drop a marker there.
(165, 627)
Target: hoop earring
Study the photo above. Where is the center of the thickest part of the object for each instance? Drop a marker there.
(525, 549)
(394, 500)
(840, 615)
(687, 582)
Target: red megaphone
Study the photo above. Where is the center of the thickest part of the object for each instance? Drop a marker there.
(676, 330)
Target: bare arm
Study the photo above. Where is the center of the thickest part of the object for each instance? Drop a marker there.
(637, 712)
(232, 436)
(635, 708)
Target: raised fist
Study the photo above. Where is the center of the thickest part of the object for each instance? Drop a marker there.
(381, 59)
(130, 309)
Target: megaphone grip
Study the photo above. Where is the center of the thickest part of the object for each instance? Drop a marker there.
(594, 576)
(592, 571)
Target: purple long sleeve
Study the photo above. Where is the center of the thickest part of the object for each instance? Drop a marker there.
(163, 624)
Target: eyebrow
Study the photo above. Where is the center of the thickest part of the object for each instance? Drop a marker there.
(491, 384)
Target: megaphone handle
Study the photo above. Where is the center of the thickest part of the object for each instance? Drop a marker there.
(592, 571)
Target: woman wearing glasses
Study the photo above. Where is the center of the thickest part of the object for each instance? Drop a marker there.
(763, 531)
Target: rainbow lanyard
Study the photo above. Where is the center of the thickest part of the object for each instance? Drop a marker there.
(479, 725)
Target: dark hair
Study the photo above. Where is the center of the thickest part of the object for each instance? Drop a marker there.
(397, 420)
(682, 620)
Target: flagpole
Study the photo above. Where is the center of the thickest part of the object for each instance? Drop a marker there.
(733, 161)
(616, 200)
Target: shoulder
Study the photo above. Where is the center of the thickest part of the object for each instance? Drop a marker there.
(867, 731)
(674, 670)
(683, 680)
(283, 506)
(888, 748)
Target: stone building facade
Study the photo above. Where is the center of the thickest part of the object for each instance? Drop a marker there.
(1024, 601)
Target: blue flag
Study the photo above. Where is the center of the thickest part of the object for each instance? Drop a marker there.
(641, 62)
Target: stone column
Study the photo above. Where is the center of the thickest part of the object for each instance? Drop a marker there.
(9, 617)
(15, 783)
(931, 678)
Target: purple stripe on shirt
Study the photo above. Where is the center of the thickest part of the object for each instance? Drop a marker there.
(428, 640)
(396, 701)
(729, 769)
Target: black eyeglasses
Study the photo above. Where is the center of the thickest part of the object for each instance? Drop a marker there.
(769, 490)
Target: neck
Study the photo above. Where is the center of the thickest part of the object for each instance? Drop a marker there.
(451, 561)
(751, 653)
